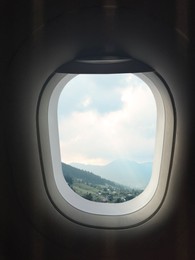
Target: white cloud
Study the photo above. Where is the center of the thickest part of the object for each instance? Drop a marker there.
(86, 101)
(96, 138)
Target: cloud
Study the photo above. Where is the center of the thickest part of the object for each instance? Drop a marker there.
(100, 90)
(102, 131)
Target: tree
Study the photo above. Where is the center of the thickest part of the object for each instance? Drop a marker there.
(69, 180)
(88, 196)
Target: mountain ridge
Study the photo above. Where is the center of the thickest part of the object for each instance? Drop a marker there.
(86, 176)
(125, 172)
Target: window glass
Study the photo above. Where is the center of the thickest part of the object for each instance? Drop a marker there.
(107, 129)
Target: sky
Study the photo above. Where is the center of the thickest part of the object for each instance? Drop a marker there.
(102, 118)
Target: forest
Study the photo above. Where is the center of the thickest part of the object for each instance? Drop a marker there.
(95, 188)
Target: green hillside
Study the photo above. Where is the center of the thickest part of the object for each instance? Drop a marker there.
(85, 176)
(95, 188)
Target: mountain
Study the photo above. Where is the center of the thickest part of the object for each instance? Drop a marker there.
(95, 188)
(125, 172)
(85, 176)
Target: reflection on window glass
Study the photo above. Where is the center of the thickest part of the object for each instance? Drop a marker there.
(107, 127)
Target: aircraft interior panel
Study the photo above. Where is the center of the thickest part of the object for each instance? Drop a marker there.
(44, 43)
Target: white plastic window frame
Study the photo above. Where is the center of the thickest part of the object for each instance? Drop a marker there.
(104, 215)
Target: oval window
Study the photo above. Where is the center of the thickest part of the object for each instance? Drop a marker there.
(107, 131)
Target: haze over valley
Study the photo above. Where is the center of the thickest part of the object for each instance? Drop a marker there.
(125, 172)
(116, 182)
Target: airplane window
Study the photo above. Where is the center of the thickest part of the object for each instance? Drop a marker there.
(106, 145)
(107, 132)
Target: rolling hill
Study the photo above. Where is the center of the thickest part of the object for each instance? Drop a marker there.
(95, 188)
(125, 172)
(84, 175)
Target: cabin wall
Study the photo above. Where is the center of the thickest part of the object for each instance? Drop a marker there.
(19, 237)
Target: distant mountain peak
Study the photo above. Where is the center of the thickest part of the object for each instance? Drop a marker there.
(123, 171)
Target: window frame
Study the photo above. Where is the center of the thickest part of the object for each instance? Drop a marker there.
(108, 215)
